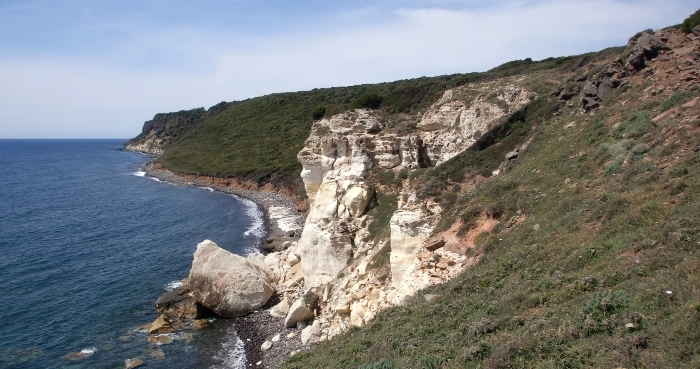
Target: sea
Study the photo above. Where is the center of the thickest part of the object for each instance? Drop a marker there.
(87, 245)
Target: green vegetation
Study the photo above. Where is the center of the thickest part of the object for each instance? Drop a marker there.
(381, 215)
(258, 139)
(602, 272)
(318, 112)
(368, 100)
(691, 22)
(675, 99)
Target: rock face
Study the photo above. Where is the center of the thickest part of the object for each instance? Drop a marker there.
(163, 129)
(411, 225)
(342, 149)
(226, 283)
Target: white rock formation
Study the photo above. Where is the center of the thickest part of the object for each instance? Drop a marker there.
(337, 254)
(226, 283)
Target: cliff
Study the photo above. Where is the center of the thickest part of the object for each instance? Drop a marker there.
(539, 214)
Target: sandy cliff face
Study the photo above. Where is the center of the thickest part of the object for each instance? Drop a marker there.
(335, 251)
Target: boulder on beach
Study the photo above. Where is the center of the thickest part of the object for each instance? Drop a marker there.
(300, 311)
(225, 283)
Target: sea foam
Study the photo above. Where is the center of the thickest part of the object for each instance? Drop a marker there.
(173, 285)
(257, 228)
(232, 353)
(139, 173)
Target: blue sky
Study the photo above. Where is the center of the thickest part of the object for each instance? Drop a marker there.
(100, 68)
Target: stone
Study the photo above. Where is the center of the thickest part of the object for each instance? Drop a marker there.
(644, 46)
(178, 305)
(690, 104)
(291, 335)
(266, 346)
(356, 315)
(293, 259)
(356, 200)
(160, 325)
(226, 283)
(201, 323)
(434, 243)
(311, 334)
(298, 312)
(276, 338)
(160, 339)
(281, 309)
(430, 297)
(158, 354)
(132, 363)
(342, 308)
(696, 30)
(513, 154)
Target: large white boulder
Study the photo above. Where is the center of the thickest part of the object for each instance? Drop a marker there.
(357, 198)
(226, 283)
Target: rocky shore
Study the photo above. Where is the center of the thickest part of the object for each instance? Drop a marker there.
(282, 224)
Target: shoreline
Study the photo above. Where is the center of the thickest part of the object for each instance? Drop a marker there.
(257, 327)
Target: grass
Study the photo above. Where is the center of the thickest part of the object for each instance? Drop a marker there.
(608, 278)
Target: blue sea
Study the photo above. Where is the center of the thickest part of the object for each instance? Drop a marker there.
(87, 244)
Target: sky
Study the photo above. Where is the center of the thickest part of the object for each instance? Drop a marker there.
(101, 68)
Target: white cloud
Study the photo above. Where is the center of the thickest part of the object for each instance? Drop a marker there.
(182, 68)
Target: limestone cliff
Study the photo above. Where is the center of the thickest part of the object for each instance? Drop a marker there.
(339, 255)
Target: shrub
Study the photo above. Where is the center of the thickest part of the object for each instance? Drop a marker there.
(690, 22)
(635, 126)
(368, 100)
(674, 100)
(318, 112)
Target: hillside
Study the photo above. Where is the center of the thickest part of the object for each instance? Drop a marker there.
(539, 215)
(593, 258)
(258, 139)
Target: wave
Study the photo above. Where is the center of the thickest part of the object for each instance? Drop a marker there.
(232, 353)
(139, 173)
(173, 285)
(207, 188)
(88, 351)
(257, 228)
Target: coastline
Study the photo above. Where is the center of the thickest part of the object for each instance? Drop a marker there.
(257, 327)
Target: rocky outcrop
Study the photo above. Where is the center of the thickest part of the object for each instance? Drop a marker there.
(163, 129)
(338, 255)
(179, 305)
(644, 47)
(226, 283)
(343, 148)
